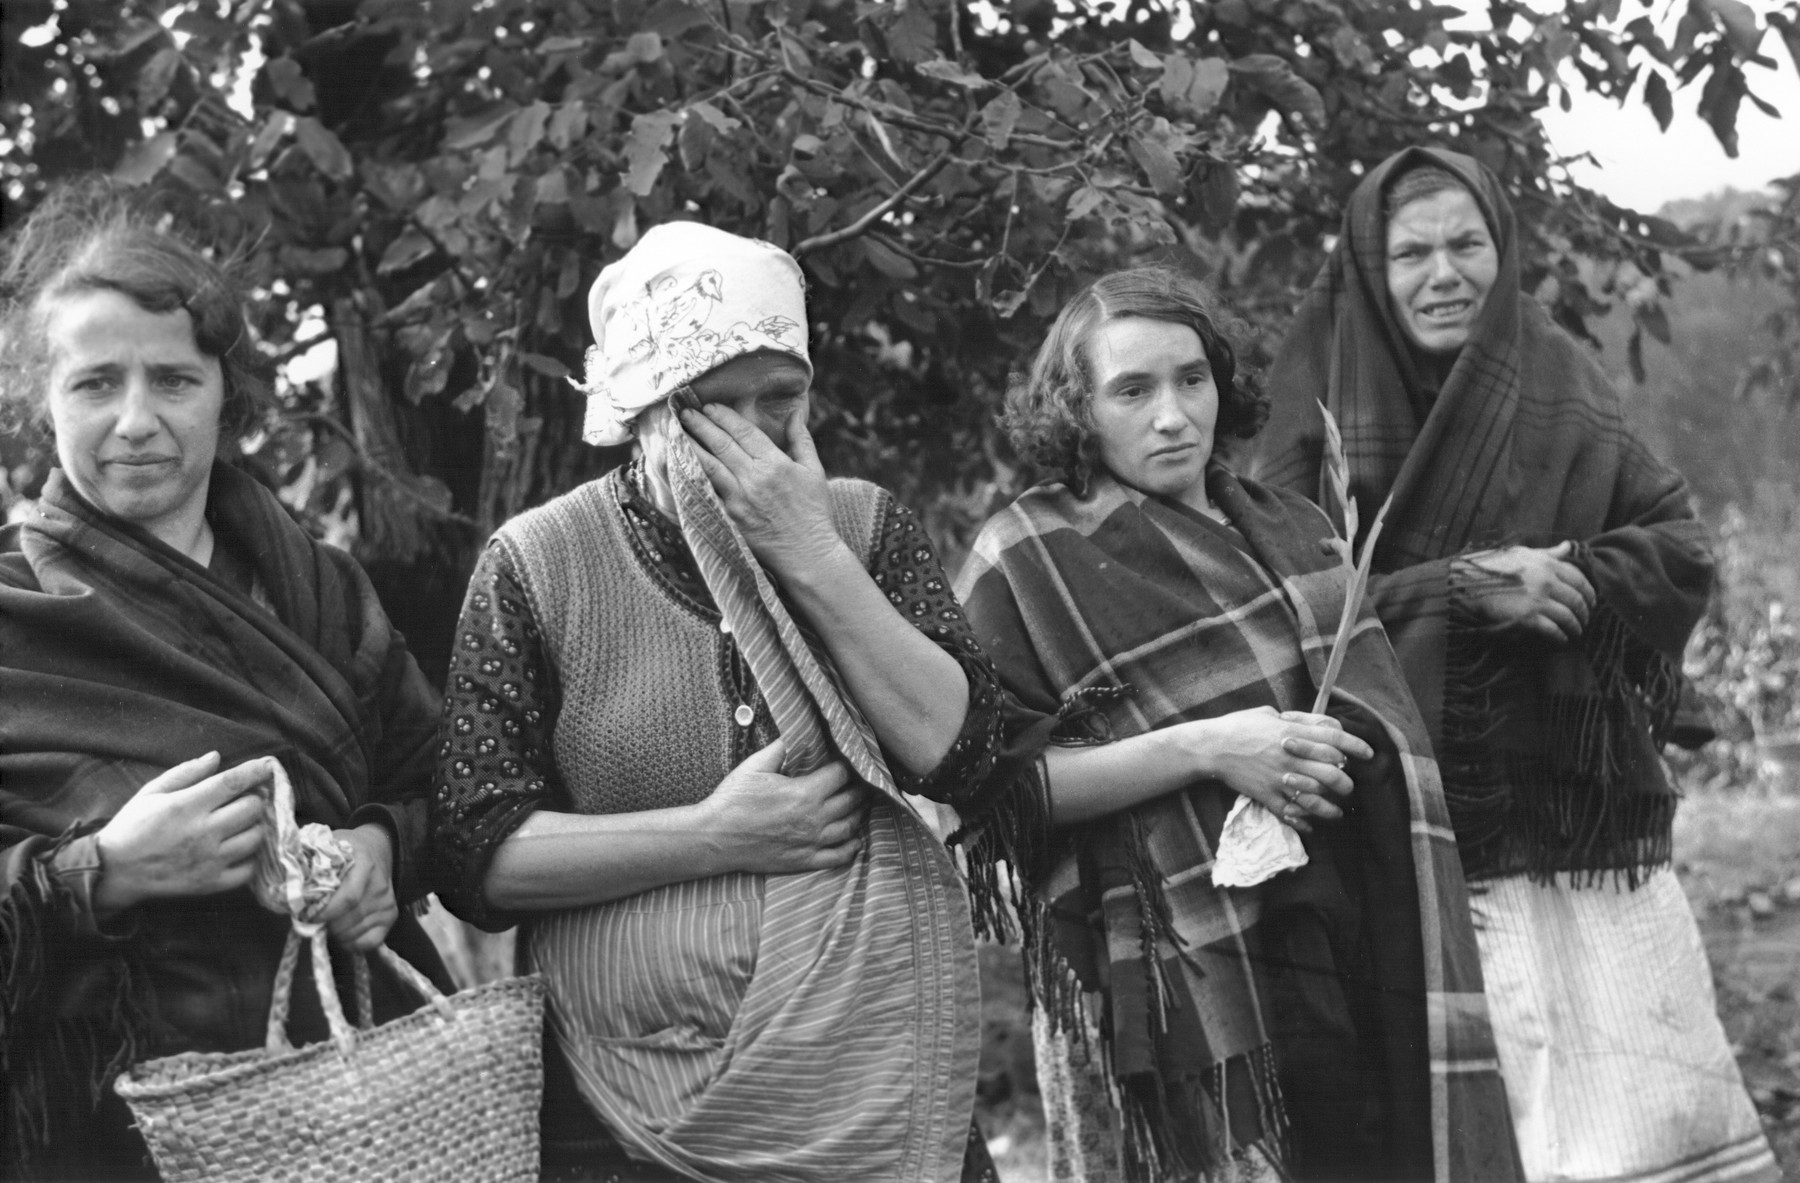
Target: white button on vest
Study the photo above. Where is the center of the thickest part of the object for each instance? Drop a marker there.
(744, 715)
(724, 626)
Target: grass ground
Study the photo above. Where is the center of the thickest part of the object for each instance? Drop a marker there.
(1738, 855)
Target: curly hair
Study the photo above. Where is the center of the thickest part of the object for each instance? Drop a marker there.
(1049, 411)
(95, 235)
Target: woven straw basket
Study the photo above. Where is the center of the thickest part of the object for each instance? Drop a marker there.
(449, 1092)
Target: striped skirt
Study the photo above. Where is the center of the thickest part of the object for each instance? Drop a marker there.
(1615, 1063)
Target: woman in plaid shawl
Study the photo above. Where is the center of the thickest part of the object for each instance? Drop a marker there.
(1170, 622)
(1538, 574)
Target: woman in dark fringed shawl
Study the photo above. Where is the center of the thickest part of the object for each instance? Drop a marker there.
(1170, 623)
(1538, 574)
(164, 624)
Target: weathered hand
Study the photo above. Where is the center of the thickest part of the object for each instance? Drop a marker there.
(1290, 762)
(363, 908)
(778, 499)
(191, 831)
(774, 824)
(1531, 588)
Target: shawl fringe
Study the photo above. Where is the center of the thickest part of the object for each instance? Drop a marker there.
(1159, 1136)
(56, 1071)
(1017, 831)
(1577, 803)
(1163, 1139)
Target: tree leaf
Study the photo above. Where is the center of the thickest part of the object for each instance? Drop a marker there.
(1007, 303)
(403, 252)
(1654, 318)
(125, 41)
(1194, 86)
(1739, 21)
(472, 131)
(1789, 28)
(672, 18)
(290, 83)
(644, 48)
(1084, 202)
(1218, 195)
(888, 261)
(879, 130)
(315, 260)
(1143, 58)
(624, 227)
(1275, 79)
(647, 150)
(999, 118)
(143, 161)
(1158, 162)
(945, 70)
(525, 130)
(1656, 94)
(715, 118)
(276, 127)
(1634, 355)
(1719, 101)
(324, 149)
(544, 364)
(567, 123)
(154, 79)
(910, 33)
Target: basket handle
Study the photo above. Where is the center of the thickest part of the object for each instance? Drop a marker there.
(276, 1038)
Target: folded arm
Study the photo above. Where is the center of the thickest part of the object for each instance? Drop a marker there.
(504, 841)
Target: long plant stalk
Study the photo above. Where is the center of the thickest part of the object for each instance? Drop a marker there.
(1353, 598)
(1337, 478)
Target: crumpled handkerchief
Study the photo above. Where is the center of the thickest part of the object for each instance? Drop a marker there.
(1254, 846)
(299, 867)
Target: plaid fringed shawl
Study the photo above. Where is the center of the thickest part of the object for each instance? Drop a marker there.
(1346, 991)
(1548, 752)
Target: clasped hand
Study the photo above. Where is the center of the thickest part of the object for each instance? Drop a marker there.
(779, 500)
(776, 824)
(1290, 762)
(196, 831)
(1535, 589)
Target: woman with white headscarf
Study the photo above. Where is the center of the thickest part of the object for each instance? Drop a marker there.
(686, 701)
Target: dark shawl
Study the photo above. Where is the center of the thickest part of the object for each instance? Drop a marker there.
(1355, 980)
(120, 657)
(1549, 752)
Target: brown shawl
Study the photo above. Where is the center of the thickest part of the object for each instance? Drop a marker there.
(1548, 752)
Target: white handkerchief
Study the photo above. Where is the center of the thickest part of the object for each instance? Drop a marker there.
(1254, 845)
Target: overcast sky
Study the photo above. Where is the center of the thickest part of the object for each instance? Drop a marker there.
(1643, 167)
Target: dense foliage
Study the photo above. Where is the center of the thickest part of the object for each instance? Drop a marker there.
(433, 184)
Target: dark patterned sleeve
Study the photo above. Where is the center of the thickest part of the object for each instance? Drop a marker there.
(494, 763)
(905, 566)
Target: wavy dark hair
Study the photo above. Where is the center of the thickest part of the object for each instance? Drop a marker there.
(1049, 410)
(96, 235)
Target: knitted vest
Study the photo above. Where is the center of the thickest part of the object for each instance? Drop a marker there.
(649, 718)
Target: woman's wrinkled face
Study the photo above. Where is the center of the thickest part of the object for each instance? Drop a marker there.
(768, 389)
(135, 406)
(1154, 406)
(1441, 264)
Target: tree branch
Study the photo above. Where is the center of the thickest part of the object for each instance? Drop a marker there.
(833, 237)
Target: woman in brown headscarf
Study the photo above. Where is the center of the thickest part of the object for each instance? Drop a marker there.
(1538, 575)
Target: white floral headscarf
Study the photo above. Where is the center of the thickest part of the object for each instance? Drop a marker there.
(686, 299)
